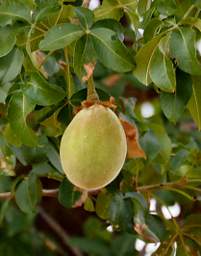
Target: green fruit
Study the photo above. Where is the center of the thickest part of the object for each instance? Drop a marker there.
(93, 148)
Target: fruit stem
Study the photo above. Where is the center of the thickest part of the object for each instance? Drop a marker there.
(91, 90)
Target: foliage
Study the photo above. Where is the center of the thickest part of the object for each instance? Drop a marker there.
(47, 52)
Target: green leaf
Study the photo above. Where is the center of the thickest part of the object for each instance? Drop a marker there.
(52, 155)
(196, 22)
(67, 194)
(114, 9)
(143, 60)
(110, 51)
(173, 105)
(85, 16)
(60, 36)
(89, 205)
(83, 54)
(164, 142)
(103, 202)
(28, 194)
(44, 169)
(121, 212)
(123, 244)
(183, 48)
(19, 107)
(162, 71)
(7, 41)
(17, 10)
(194, 104)
(10, 65)
(4, 89)
(91, 247)
(42, 92)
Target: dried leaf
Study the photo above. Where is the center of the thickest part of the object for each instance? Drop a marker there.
(145, 233)
(112, 80)
(39, 58)
(134, 148)
(89, 68)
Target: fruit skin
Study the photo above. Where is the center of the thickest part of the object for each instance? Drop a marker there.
(93, 148)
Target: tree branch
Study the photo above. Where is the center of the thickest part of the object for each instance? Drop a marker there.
(45, 193)
(59, 231)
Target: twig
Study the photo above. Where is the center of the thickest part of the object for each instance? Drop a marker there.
(59, 231)
(45, 193)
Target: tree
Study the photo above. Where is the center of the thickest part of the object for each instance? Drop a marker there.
(52, 53)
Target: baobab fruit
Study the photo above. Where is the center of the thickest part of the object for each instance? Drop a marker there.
(93, 148)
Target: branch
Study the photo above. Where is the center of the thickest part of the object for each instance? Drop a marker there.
(59, 231)
(45, 193)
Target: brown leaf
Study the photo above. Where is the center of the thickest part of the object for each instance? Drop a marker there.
(145, 233)
(39, 58)
(89, 68)
(134, 148)
(112, 80)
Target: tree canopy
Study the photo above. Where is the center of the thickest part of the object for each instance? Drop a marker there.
(143, 58)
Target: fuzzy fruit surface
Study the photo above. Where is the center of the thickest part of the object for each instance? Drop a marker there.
(93, 148)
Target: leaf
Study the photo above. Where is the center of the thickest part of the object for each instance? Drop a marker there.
(67, 194)
(164, 142)
(143, 60)
(102, 204)
(183, 48)
(4, 89)
(121, 212)
(134, 148)
(91, 246)
(196, 22)
(60, 36)
(19, 107)
(10, 65)
(28, 194)
(42, 92)
(89, 68)
(194, 104)
(110, 51)
(162, 71)
(7, 41)
(114, 9)
(173, 105)
(52, 154)
(123, 244)
(83, 53)
(17, 10)
(85, 16)
(89, 205)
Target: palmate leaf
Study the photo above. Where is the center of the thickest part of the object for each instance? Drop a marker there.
(194, 104)
(60, 36)
(19, 107)
(110, 51)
